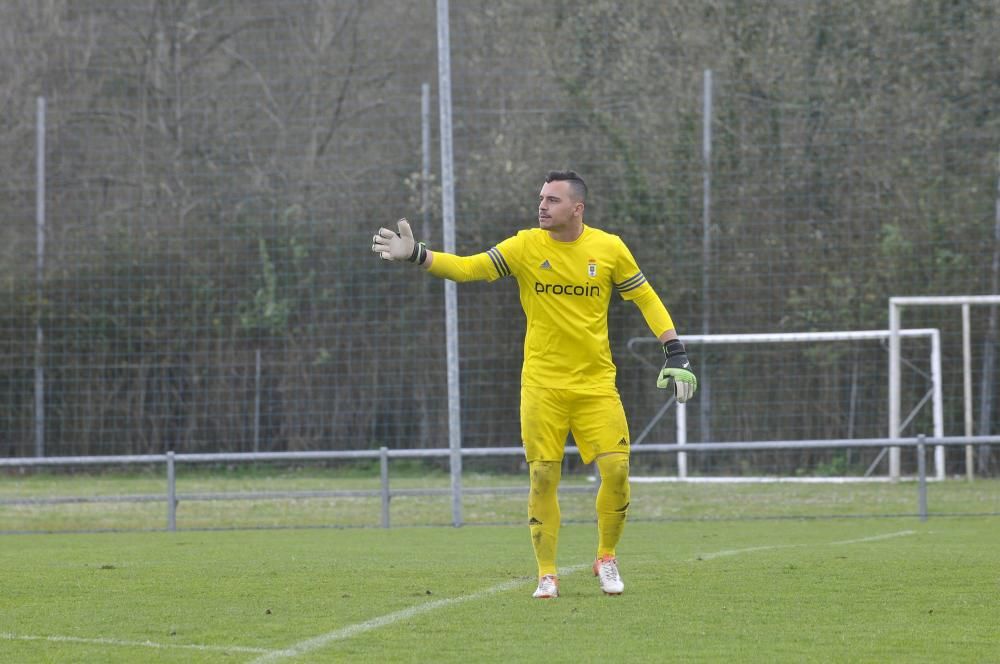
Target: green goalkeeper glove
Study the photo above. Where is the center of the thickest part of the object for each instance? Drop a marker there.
(676, 371)
(393, 246)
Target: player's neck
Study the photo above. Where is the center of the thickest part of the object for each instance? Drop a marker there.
(569, 234)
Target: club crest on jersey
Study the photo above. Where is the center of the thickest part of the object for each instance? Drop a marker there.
(591, 268)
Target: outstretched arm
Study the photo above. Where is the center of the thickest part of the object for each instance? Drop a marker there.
(400, 246)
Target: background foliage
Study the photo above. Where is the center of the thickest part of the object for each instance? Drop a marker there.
(216, 169)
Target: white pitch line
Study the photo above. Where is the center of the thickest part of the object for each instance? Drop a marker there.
(734, 552)
(876, 538)
(137, 644)
(391, 618)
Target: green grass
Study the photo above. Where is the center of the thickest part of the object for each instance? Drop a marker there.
(669, 501)
(751, 572)
(784, 590)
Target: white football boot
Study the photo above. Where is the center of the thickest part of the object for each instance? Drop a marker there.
(548, 587)
(606, 569)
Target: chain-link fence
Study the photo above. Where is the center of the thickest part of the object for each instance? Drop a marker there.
(214, 171)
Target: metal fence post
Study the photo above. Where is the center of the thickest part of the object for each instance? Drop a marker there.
(40, 281)
(383, 461)
(705, 398)
(171, 493)
(448, 239)
(922, 477)
(256, 401)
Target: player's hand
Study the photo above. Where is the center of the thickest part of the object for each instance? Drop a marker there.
(677, 372)
(401, 246)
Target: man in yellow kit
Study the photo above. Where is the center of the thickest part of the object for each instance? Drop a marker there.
(566, 271)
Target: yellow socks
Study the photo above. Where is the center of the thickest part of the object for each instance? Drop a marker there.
(543, 507)
(543, 513)
(612, 501)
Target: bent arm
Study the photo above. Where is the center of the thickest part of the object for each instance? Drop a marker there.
(656, 315)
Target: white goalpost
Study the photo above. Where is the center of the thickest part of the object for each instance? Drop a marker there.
(934, 395)
(896, 305)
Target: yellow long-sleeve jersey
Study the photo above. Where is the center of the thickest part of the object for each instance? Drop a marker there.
(565, 289)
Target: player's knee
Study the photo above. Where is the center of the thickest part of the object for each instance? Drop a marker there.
(544, 476)
(614, 469)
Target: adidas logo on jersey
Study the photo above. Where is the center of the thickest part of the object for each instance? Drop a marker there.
(546, 265)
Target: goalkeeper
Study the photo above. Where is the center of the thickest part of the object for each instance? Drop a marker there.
(565, 272)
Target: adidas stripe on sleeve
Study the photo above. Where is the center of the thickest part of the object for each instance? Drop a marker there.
(499, 262)
(489, 265)
(631, 283)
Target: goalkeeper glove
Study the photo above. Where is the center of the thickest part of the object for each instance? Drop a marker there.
(676, 371)
(393, 246)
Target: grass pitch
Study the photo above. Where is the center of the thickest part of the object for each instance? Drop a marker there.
(785, 590)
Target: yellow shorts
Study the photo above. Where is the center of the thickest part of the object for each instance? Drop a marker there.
(547, 415)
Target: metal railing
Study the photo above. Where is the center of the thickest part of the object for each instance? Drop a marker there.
(383, 455)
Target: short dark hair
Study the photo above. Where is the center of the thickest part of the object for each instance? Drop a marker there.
(576, 182)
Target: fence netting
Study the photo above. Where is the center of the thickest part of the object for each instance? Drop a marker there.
(215, 171)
